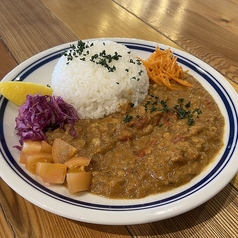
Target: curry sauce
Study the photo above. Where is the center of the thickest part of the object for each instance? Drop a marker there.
(155, 147)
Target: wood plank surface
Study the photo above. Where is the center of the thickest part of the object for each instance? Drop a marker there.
(34, 33)
(214, 218)
(102, 18)
(23, 219)
(6, 59)
(206, 29)
(28, 27)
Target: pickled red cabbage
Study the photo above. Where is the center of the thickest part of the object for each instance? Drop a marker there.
(41, 113)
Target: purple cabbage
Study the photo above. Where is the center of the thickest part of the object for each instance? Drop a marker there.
(41, 113)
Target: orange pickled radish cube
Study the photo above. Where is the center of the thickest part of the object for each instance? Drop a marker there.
(31, 146)
(76, 169)
(77, 182)
(62, 151)
(53, 173)
(46, 147)
(22, 158)
(34, 158)
(77, 162)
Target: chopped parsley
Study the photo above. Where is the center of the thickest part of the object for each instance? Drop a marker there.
(81, 50)
(138, 62)
(105, 59)
(132, 61)
(127, 118)
(140, 72)
(182, 110)
(76, 51)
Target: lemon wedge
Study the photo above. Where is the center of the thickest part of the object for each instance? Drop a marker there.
(16, 91)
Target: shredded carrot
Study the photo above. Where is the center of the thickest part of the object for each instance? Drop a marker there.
(163, 69)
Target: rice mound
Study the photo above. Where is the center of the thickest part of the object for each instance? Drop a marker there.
(95, 86)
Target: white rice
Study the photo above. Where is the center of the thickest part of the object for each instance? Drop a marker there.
(92, 89)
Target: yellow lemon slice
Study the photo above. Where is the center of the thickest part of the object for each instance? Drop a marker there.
(16, 91)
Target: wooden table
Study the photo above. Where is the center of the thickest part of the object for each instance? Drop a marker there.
(204, 28)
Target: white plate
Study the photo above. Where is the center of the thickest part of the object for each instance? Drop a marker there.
(95, 209)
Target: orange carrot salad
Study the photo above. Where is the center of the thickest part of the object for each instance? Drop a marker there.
(162, 68)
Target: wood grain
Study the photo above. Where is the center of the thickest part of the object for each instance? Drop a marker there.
(22, 219)
(38, 28)
(215, 218)
(206, 30)
(6, 59)
(201, 27)
(102, 18)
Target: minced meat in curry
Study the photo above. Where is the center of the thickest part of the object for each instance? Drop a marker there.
(160, 145)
